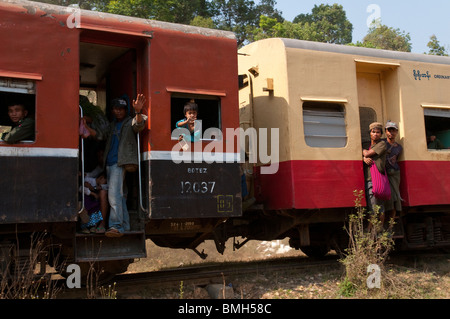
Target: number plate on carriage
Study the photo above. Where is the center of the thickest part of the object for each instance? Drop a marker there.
(194, 190)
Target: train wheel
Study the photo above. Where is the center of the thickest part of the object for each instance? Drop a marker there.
(315, 251)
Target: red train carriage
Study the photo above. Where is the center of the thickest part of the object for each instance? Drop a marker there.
(49, 55)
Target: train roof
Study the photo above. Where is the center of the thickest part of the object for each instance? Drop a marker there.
(377, 53)
(351, 50)
(32, 7)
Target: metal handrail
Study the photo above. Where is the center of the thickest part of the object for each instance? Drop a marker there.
(139, 174)
(82, 164)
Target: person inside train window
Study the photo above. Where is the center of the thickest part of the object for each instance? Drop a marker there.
(94, 126)
(393, 152)
(190, 122)
(375, 154)
(120, 152)
(22, 126)
(433, 143)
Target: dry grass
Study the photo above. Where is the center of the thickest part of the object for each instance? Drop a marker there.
(420, 276)
(21, 276)
(408, 277)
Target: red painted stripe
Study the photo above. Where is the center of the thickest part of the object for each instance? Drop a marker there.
(329, 184)
(311, 185)
(425, 183)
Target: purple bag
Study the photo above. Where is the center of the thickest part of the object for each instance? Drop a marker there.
(83, 130)
(380, 183)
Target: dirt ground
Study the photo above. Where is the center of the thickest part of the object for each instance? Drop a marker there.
(160, 258)
(422, 276)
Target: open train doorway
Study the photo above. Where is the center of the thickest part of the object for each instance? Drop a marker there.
(370, 103)
(108, 71)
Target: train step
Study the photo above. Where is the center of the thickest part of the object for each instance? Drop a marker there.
(99, 247)
(398, 228)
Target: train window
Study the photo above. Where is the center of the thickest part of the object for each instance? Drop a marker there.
(208, 111)
(16, 92)
(437, 126)
(324, 124)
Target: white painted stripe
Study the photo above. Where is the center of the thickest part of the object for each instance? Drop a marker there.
(218, 157)
(38, 152)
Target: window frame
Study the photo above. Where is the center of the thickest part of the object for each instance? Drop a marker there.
(435, 115)
(22, 90)
(176, 111)
(311, 110)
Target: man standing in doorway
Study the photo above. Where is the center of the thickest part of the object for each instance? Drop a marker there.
(393, 151)
(375, 155)
(121, 150)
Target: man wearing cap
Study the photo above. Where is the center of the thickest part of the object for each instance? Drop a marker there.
(393, 152)
(375, 154)
(121, 150)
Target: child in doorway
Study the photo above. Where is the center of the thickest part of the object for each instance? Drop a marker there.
(94, 193)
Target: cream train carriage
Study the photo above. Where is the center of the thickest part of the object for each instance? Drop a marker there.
(323, 97)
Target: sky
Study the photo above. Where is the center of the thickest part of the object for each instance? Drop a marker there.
(420, 18)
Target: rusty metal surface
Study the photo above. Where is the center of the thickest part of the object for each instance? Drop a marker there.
(194, 190)
(33, 193)
(94, 247)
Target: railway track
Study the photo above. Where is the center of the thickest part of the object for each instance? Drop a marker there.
(200, 275)
(129, 285)
(210, 272)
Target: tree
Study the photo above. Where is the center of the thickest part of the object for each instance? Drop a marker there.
(327, 23)
(83, 4)
(131, 8)
(435, 47)
(200, 21)
(182, 11)
(238, 16)
(243, 16)
(271, 28)
(383, 37)
(177, 11)
(267, 8)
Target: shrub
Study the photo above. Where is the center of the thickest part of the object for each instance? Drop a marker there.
(18, 276)
(369, 244)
